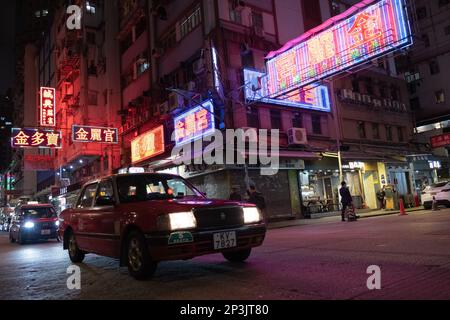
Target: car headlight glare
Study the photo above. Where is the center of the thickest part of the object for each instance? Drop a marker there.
(252, 215)
(57, 223)
(182, 220)
(28, 225)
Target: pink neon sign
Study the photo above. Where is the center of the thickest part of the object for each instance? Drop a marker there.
(361, 35)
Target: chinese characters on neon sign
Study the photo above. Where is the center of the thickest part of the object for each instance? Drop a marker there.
(95, 134)
(312, 97)
(377, 30)
(440, 141)
(47, 108)
(36, 138)
(148, 145)
(195, 123)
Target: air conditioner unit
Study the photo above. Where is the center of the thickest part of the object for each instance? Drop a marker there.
(198, 67)
(358, 97)
(250, 138)
(175, 101)
(347, 94)
(297, 136)
(367, 99)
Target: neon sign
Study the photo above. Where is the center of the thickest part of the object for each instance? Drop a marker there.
(440, 141)
(36, 138)
(148, 145)
(195, 123)
(95, 134)
(357, 37)
(312, 97)
(47, 107)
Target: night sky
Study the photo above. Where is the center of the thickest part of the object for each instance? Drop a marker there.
(7, 29)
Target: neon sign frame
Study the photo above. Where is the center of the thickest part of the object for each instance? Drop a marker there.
(47, 105)
(319, 93)
(209, 107)
(366, 31)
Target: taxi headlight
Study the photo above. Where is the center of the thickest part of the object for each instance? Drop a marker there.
(252, 215)
(182, 220)
(28, 225)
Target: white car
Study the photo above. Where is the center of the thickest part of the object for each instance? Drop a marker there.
(439, 191)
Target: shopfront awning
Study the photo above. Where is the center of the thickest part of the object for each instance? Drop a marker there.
(303, 155)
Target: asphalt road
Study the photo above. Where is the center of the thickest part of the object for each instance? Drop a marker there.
(318, 261)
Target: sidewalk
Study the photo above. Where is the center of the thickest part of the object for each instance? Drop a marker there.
(336, 217)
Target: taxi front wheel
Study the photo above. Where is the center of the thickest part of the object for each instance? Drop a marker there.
(75, 254)
(140, 264)
(237, 256)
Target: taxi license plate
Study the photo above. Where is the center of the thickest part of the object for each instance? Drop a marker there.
(46, 232)
(225, 240)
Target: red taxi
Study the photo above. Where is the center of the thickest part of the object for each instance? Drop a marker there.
(142, 219)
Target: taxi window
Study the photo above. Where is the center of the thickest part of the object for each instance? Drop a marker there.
(38, 213)
(105, 190)
(87, 197)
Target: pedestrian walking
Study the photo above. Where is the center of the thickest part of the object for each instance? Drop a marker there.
(346, 198)
(381, 195)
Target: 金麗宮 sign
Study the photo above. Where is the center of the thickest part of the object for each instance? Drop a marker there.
(441, 141)
(195, 123)
(366, 31)
(47, 107)
(36, 138)
(148, 145)
(88, 134)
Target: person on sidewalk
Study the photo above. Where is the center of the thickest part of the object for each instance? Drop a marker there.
(346, 198)
(380, 196)
(234, 195)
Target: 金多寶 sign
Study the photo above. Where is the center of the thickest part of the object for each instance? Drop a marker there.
(36, 138)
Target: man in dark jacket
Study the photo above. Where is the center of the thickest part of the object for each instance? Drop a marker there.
(257, 199)
(346, 198)
(235, 196)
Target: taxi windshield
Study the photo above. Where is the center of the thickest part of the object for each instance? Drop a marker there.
(136, 188)
(39, 213)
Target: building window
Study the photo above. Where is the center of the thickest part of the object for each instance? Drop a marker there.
(376, 130)
(142, 64)
(140, 28)
(362, 129)
(235, 13)
(90, 7)
(388, 133)
(316, 121)
(440, 96)
(247, 58)
(257, 20)
(190, 23)
(401, 138)
(434, 67)
(275, 116)
(297, 121)
(253, 118)
(421, 13)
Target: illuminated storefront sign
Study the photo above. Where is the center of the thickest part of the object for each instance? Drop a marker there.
(36, 138)
(357, 37)
(312, 97)
(47, 107)
(195, 123)
(441, 141)
(95, 134)
(148, 145)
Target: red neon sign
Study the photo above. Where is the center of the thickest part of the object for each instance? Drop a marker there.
(360, 34)
(47, 107)
(148, 145)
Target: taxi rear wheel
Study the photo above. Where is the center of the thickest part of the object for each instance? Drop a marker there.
(140, 264)
(75, 254)
(237, 256)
